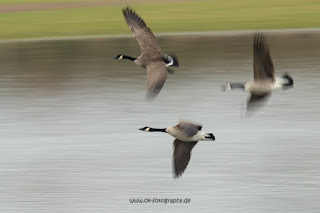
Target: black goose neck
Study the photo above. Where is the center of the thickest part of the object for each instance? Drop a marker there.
(129, 57)
(157, 130)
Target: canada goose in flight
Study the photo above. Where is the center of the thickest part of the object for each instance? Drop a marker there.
(187, 135)
(264, 80)
(151, 56)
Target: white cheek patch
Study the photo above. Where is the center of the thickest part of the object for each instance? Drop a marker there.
(147, 129)
(121, 57)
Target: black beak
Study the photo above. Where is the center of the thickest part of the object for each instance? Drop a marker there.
(115, 57)
(141, 129)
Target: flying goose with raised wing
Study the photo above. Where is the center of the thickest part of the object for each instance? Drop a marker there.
(152, 59)
(187, 135)
(264, 81)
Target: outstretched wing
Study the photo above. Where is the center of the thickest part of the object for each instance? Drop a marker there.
(256, 102)
(181, 156)
(156, 77)
(263, 68)
(146, 39)
(190, 129)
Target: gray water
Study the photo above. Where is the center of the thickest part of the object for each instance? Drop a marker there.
(70, 116)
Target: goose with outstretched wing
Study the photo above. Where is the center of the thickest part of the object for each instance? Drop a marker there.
(156, 63)
(187, 135)
(264, 82)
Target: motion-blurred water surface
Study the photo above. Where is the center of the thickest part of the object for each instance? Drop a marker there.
(70, 116)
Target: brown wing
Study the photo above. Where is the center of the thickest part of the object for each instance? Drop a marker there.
(190, 129)
(181, 156)
(147, 41)
(255, 102)
(263, 68)
(156, 76)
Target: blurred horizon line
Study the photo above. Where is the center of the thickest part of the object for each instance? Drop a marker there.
(292, 31)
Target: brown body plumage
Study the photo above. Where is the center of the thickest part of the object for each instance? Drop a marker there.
(151, 55)
(264, 81)
(187, 135)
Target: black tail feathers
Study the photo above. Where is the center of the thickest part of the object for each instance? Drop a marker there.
(168, 60)
(289, 78)
(175, 60)
(210, 136)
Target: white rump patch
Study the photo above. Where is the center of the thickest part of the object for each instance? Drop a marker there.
(171, 61)
(279, 82)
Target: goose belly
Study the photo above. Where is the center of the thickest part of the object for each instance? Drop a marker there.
(182, 137)
(258, 89)
(190, 139)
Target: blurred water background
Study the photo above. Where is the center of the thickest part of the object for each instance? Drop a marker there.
(70, 116)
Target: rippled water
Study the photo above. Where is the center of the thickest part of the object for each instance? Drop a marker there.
(70, 116)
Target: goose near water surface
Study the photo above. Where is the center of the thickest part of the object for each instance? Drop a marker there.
(152, 59)
(187, 135)
(264, 81)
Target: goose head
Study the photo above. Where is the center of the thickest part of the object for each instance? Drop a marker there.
(145, 129)
(118, 57)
